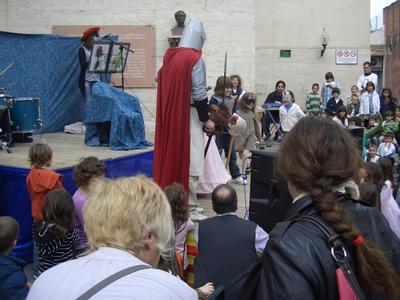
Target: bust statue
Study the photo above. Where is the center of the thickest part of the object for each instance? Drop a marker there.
(180, 17)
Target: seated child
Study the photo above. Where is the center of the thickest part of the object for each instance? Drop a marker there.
(371, 155)
(374, 175)
(397, 111)
(40, 179)
(183, 225)
(397, 135)
(55, 236)
(341, 116)
(333, 104)
(314, 102)
(374, 121)
(180, 216)
(390, 125)
(355, 121)
(88, 170)
(289, 113)
(374, 128)
(246, 142)
(13, 282)
(353, 108)
(368, 193)
(389, 206)
(387, 148)
(353, 91)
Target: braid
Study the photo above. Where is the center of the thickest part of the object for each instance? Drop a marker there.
(373, 269)
(331, 210)
(326, 157)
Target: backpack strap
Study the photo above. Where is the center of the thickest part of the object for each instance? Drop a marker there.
(338, 252)
(107, 281)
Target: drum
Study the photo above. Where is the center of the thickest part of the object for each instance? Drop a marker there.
(25, 114)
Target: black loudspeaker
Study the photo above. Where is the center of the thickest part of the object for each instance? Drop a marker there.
(269, 197)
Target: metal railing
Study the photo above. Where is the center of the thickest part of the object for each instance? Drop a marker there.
(376, 22)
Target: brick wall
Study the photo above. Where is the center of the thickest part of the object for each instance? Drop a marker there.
(391, 16)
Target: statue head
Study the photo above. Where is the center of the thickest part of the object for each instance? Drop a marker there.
(180, 17)
(193, 35)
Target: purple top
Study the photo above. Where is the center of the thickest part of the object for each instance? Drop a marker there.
(79, 201)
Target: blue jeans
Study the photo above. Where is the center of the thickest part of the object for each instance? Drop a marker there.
(222, 142)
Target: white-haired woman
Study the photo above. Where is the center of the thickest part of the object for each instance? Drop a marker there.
(128, 224)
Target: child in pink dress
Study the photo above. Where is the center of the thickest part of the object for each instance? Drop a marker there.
(215, 172)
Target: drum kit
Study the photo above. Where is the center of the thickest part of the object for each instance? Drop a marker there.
(18, 116)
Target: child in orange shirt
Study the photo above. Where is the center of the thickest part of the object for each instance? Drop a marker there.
(41, 180)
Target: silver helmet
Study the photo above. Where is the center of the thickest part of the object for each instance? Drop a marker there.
(193, 36)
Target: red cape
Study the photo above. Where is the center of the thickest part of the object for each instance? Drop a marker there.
(172, 136)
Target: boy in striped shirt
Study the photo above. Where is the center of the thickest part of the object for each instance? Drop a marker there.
(314, 103)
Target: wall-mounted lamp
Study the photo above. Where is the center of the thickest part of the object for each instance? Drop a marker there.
(324, 41)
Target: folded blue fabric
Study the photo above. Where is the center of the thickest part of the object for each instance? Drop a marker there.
(123, 111)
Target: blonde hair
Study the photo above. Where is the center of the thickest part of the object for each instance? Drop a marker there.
(121, 213)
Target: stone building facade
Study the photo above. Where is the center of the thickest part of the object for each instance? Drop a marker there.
(252, 32)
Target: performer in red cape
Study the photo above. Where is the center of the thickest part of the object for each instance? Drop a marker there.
(182, 114)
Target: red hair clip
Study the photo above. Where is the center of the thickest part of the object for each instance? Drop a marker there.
(358, 240)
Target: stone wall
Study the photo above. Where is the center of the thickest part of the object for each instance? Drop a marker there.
(251, 31)
(296, 25)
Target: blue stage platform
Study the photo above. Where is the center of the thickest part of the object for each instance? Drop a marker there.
(14, 198)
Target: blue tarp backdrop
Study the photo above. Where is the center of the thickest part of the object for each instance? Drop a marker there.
(44, 66)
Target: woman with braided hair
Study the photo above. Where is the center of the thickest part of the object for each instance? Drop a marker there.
(320, 162)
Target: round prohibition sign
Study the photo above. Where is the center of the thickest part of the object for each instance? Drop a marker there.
(340, 53)
(346, 53)
(353, 53)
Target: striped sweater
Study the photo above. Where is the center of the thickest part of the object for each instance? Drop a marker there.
(53, 249)
(314, 104)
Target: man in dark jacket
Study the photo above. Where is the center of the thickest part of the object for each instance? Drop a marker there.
(13, 282)
(228, 245)
(274, 99)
